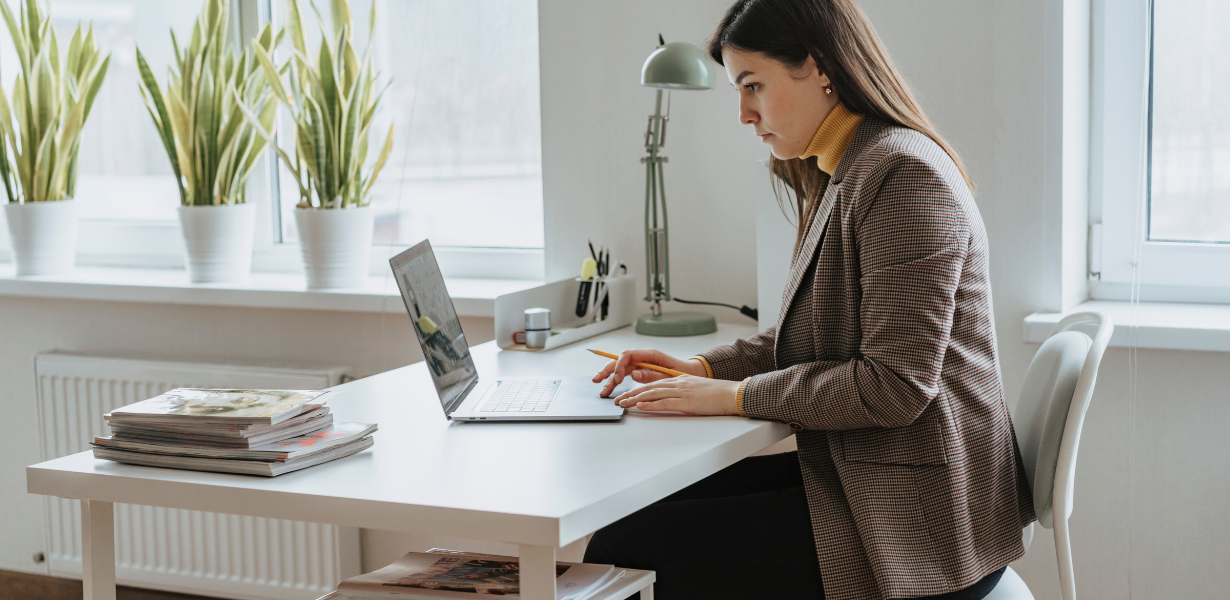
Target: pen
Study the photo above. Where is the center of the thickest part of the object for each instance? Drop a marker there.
(664, 370)
(606, 297)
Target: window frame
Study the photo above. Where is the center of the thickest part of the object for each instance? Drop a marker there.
(159, 243)
(1170, 271)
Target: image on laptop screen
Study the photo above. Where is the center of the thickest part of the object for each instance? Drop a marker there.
(435, 323)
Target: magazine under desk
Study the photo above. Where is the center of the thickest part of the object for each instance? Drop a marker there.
(541, 486)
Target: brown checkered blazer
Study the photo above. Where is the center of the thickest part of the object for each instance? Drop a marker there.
(912, 472)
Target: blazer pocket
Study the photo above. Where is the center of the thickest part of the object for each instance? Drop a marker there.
(920, 443)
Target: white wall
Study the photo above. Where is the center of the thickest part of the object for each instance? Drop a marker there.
(1149, 500)
(593, 119)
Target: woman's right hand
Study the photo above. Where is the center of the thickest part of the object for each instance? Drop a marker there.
(616, 370)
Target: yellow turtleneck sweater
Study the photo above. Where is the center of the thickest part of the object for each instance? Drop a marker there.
(834, 135)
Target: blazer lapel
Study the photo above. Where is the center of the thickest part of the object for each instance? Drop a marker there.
(805, 256)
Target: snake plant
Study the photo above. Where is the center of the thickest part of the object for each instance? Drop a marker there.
(331, 99)
(212, 146)
(40, 130)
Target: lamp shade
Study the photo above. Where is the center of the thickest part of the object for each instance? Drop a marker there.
(678, 66)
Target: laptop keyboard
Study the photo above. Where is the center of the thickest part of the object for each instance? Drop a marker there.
(522, 395)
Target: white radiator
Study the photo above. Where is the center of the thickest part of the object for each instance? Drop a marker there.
(180, 550)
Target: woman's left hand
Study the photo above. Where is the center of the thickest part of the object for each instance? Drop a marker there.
(685, 394)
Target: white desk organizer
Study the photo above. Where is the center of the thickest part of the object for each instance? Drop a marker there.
(561, 298)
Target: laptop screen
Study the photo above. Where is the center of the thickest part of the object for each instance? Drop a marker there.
(435, 323)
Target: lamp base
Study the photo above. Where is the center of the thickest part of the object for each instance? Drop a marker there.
(676, 324)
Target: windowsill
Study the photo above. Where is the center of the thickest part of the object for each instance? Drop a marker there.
(1161, 325)
(471, 297)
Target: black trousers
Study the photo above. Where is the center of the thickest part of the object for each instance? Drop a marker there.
(744, 532)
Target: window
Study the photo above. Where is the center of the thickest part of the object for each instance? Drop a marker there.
(1189, 151)
(1162, 125)
(465, 170)
(464, 94)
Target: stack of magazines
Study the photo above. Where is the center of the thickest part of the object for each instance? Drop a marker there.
(253, 432)
(440, 573)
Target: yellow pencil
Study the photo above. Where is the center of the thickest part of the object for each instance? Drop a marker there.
(671, 372)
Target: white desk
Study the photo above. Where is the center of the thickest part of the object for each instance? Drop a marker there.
(538, 485)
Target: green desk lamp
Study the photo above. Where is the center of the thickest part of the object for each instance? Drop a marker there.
(673, 66)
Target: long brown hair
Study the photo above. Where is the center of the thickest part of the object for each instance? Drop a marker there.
(840, 38)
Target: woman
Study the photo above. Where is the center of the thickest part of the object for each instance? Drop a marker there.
(907, 482)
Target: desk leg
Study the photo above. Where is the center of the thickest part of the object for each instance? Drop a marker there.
(647, 593)
(537, 572)
(98, 549)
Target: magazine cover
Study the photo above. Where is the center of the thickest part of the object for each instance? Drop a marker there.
(421, 575)
(222, 430)
(226, 465)
(225, 404)
(285, 450)
(212, 441)
(471, 575)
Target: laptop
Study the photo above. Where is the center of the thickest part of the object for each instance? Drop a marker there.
(463, 396)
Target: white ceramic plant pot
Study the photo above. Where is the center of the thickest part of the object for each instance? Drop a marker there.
(336, 245)
(44, 236)
(218, 240)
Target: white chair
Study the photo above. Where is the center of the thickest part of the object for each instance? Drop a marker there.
(1048, 420)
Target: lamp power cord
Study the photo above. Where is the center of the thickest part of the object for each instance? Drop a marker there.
(746, 310)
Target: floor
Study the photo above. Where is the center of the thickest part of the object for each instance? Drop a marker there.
(24, 586)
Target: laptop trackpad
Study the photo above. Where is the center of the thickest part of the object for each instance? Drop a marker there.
(581, 388)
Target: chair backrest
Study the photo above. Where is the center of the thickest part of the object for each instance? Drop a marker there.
(1042, 411)
(1049, 416)
(1051, 408)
